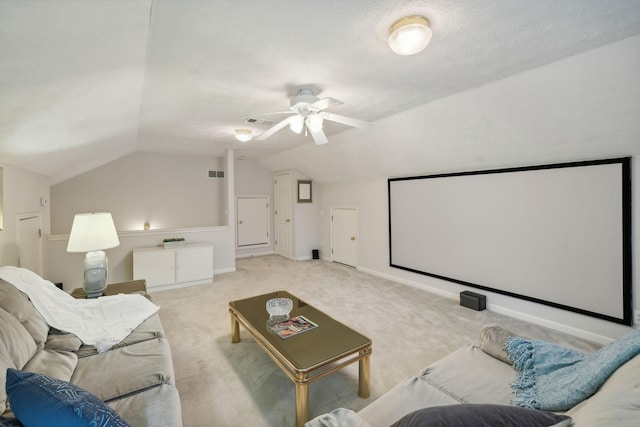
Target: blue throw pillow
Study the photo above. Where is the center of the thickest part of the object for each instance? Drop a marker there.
(9, 423)
(39, 400)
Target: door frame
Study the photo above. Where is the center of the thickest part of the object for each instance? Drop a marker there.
(27, 215)
(353, 208)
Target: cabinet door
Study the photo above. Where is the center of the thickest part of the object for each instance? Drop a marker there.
(253, 221)
(194, 264)
(156, 267)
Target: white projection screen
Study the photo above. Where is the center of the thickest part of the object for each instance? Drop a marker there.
(557, 234)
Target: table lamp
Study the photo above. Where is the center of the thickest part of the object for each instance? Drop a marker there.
(92, 233)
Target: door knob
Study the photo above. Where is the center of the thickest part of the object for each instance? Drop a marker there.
(240, 222)
(353, 237)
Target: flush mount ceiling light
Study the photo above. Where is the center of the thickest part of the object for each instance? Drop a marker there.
(410, 35)
(244, 135)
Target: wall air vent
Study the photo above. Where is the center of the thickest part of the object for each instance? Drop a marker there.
(216, 174)
(255, 121)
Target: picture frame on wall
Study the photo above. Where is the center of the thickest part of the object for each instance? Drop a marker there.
(304, 191)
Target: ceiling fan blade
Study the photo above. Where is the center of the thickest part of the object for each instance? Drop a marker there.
(267, 114)
(356, 123)
(318, 136)
(273, 129)
(324, 103)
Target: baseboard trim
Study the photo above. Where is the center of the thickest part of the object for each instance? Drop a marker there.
(153, 289)
(441, 292)
(224, 270)
(581, 333)
(249, 255)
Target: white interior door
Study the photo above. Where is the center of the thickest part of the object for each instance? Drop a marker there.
(283, 215)
(30, 242)
(253, 221)
(344, 236)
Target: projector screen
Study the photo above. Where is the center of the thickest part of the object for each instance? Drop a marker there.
(557, 234)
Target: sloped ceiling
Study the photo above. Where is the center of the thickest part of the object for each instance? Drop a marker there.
(85, 83)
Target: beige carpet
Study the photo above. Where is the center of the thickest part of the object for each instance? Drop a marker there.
(224, 384)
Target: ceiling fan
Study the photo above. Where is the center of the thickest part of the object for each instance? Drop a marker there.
(307, 114)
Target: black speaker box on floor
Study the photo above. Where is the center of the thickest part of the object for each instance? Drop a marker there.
(472, 300)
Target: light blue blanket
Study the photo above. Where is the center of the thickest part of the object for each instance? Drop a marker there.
(554, 378)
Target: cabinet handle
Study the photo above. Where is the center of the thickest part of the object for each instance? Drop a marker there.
(353, 237)
(240, 222)
(287, 220)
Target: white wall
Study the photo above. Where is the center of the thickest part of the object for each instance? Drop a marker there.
(174, 193)
(253, 179)
(581, 108)
(22, 191)
(68, 267)
(167, 190)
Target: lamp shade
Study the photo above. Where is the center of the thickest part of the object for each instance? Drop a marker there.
(92, 232)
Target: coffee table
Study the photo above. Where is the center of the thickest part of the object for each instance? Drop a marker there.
(307, 356)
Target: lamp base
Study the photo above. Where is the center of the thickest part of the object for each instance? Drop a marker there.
(95, 273)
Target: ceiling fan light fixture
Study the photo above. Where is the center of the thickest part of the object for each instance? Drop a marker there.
(314, 122)
(410, 35)
(243, 135)
(296, 124)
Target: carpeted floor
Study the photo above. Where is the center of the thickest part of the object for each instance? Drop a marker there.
(225, 384)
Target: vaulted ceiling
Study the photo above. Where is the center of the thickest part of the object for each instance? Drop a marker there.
(83, 83)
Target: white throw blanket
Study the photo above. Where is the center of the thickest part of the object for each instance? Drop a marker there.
(102, 322)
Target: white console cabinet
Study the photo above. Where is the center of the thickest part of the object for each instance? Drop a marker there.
(191, 264)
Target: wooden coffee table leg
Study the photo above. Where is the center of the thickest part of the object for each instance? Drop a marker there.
(302, 400)
(235, 329)
(364, 369)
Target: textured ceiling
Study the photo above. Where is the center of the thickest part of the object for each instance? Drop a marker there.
(85, 83)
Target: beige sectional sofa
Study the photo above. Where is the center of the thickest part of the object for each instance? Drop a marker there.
(482, 375)
(135, 378)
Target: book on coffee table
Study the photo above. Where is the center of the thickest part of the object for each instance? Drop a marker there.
(292, 327)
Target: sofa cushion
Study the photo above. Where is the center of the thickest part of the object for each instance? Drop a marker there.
(56, 364)
(617, 401)
(487, 415)
(15, 302)
(132, 368)
(17, 348)
(161, 407)
(62, 341)
(411, 394)
(37, 399)
(148, 330)
(472, 376)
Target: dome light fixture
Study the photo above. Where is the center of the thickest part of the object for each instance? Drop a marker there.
(244, 135)
(410, 35)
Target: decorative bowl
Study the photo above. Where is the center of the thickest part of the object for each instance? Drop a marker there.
(279, 307)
